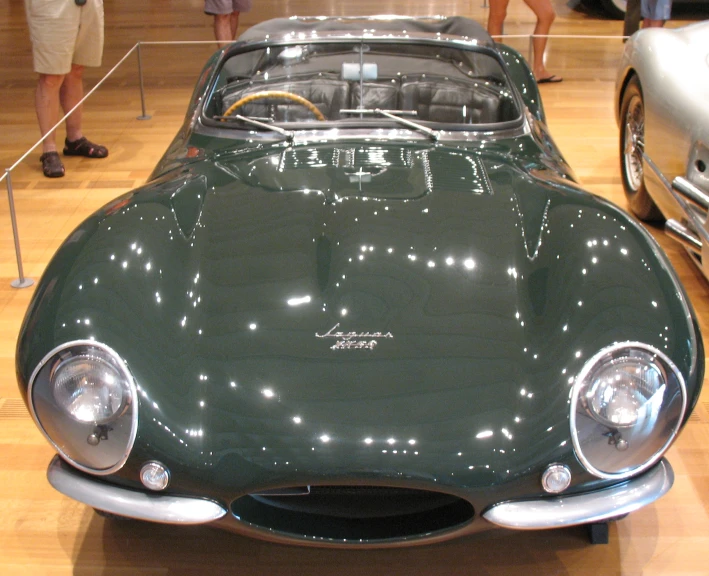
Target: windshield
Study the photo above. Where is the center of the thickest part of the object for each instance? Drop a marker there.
(329, 82)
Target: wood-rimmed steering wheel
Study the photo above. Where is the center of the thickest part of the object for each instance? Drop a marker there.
(275, 94)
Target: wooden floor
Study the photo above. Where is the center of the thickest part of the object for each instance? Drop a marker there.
(41, 532)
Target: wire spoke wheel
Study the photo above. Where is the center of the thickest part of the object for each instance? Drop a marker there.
(632, 153)
(634, 142)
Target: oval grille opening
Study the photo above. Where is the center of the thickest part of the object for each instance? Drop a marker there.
(355, 512)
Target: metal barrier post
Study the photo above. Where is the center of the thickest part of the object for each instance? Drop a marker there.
(144, 115)
(21, 282)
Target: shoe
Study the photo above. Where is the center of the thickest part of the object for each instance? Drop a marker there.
(84, 147)
(553, 79)
(52, 166)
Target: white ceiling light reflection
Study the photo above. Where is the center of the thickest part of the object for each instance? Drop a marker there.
(368, 440)
(450, 261)
(469, 263)
(253, 326)
(324, 438)
(297, 419)
(299, 300)
(484, 434)
(268, 393)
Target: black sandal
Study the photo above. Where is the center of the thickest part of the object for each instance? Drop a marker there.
(84, 147)
(52, 166)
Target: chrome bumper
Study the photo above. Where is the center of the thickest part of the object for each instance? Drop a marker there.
(523, 515)
(129, 503)
(584, 508)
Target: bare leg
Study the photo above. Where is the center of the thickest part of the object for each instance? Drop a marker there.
(47, 106)
(545, 14)
(71, 93)
(234, 24)
(222, 29)
(496, 16)
(648, 23)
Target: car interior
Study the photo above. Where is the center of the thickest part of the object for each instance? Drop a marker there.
(450, 86)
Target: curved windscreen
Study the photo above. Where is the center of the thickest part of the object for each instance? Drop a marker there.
(363, 81)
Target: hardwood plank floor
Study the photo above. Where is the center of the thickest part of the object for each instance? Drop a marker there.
(42, 532)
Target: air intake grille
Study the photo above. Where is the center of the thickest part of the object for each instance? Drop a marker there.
(364, 513)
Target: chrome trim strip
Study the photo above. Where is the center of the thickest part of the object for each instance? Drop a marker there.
(692, 217)
(684, 236)
(378, 134)
(123, 502)
(584, 508)
(691, 192)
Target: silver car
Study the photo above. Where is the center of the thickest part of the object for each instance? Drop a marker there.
(662, 109)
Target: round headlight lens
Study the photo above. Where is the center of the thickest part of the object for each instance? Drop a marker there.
(89, 389)
(627, 406)
(622, 392)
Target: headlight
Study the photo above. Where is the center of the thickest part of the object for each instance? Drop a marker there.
(627, 405)
(89, 388)
(84, 400)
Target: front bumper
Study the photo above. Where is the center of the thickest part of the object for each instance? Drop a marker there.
(130, 503)
(545, 513)
(584, 508)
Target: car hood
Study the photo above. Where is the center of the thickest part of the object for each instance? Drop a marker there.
(299, 315)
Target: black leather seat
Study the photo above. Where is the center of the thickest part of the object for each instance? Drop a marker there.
(383, 94)
(439, 99)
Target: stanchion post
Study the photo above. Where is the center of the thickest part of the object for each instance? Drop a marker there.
(21, 282)
(144, 115)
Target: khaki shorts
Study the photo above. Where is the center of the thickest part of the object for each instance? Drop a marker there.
(226, 6)
(63, 34)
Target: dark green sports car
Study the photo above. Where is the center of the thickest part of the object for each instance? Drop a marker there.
(362, 301)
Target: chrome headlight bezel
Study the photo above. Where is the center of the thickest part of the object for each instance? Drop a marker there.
(61, 429)
(580, 411)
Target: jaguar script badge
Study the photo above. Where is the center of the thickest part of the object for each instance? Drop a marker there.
(353, 340)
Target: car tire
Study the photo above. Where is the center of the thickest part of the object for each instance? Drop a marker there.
(632, 133)
(615, 8)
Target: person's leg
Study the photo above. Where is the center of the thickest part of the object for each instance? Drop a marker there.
(47, 106)
(222, 29)
(545, 14)
(71, 93)
(496, 16)
(234, 24)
